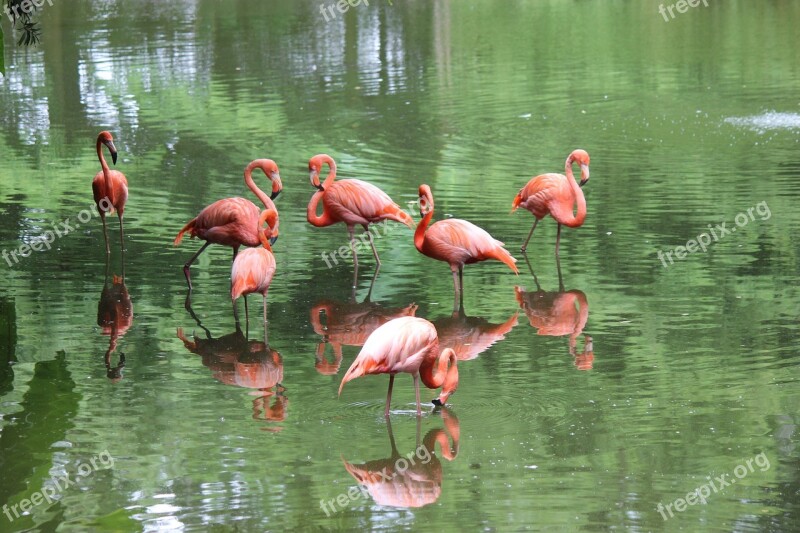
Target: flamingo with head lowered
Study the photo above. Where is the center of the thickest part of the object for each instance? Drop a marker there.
(232, 221)
(555, 195)
(253, 269)
(109, 187)
(411, 345)
(351, 201)
(456, 242)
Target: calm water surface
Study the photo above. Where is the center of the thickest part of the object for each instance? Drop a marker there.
(581, 407)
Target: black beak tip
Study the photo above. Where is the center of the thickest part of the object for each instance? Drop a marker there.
(114, 157)
(320, 187)
(437, 402)
(272, 240)
(274, 195)
(583, 182)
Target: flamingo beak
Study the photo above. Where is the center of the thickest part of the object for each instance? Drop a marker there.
(272, 241)
(314, 175)
(274, 195)
(584, 175)
(113, 150)
(442, 399)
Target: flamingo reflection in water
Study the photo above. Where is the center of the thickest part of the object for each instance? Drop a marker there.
(349, 323)
(470, 336)
(115, 317)
(251, 364)
(559, 313)
(413, 479)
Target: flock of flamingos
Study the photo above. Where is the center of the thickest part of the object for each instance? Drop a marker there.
(405, 344)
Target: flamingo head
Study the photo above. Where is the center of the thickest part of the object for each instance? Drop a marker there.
(425, 200)
(315, 167)
(270, 234)
(106, 138)
(580, 157)
(274, 175)
(451, 379)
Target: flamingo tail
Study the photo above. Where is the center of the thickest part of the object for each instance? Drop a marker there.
(360, 367)
(516, 202)
(501, 254)
(187, 227)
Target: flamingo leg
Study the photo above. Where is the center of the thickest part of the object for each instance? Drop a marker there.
(525, 246)
(266, 338)
(235, 252)
(121, 235)
(235, 314)
(188, 265)
(457, 295)
(558, 238)
(372, 243)
(389, 396)
(352, 231)
(246, 313)
(105, 231)
(416, 391)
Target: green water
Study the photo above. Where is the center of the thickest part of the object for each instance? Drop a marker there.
(691, 370)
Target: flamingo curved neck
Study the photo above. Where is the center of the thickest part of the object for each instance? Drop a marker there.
(431, 379)
(106, 171)
(248, 179)
(422, 227)
(311, 213)
(574, 221)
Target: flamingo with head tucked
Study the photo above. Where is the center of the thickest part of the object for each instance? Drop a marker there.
(555, 195)
(456, 242)
(407, 344)
(253, 269)
(110, 188)
(233, 221)
(351, 201)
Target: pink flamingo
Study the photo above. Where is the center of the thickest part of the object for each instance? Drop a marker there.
(350, 201)
(555, 195)
(253, 269)
(233, 221)
(109, 187)
(407, 344)
(456, 242)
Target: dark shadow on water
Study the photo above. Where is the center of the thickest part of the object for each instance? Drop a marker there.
(115, 317)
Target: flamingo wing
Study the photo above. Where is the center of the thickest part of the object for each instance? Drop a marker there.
(399, 345)
(538, 194)
(231, 221)
(252, 271)
(459, 241)
(359, 202)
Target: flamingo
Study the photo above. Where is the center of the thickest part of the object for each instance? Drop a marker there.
(109, 187)
(407, 344)
(555, 195)
(115, 317)
(233, 221)
(253, 269)
(456, 242)
(350, 201)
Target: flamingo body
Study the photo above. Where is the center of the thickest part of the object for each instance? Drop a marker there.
(410, 345)
(556, 195)
(253, 269)
(351, 201)
(456, 242)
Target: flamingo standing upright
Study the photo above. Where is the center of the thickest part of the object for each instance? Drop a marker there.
(456, 242)
(555, 195)
(110, 188)
(407, 344)
(233, 221)
(253, 269)
(350, 201)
